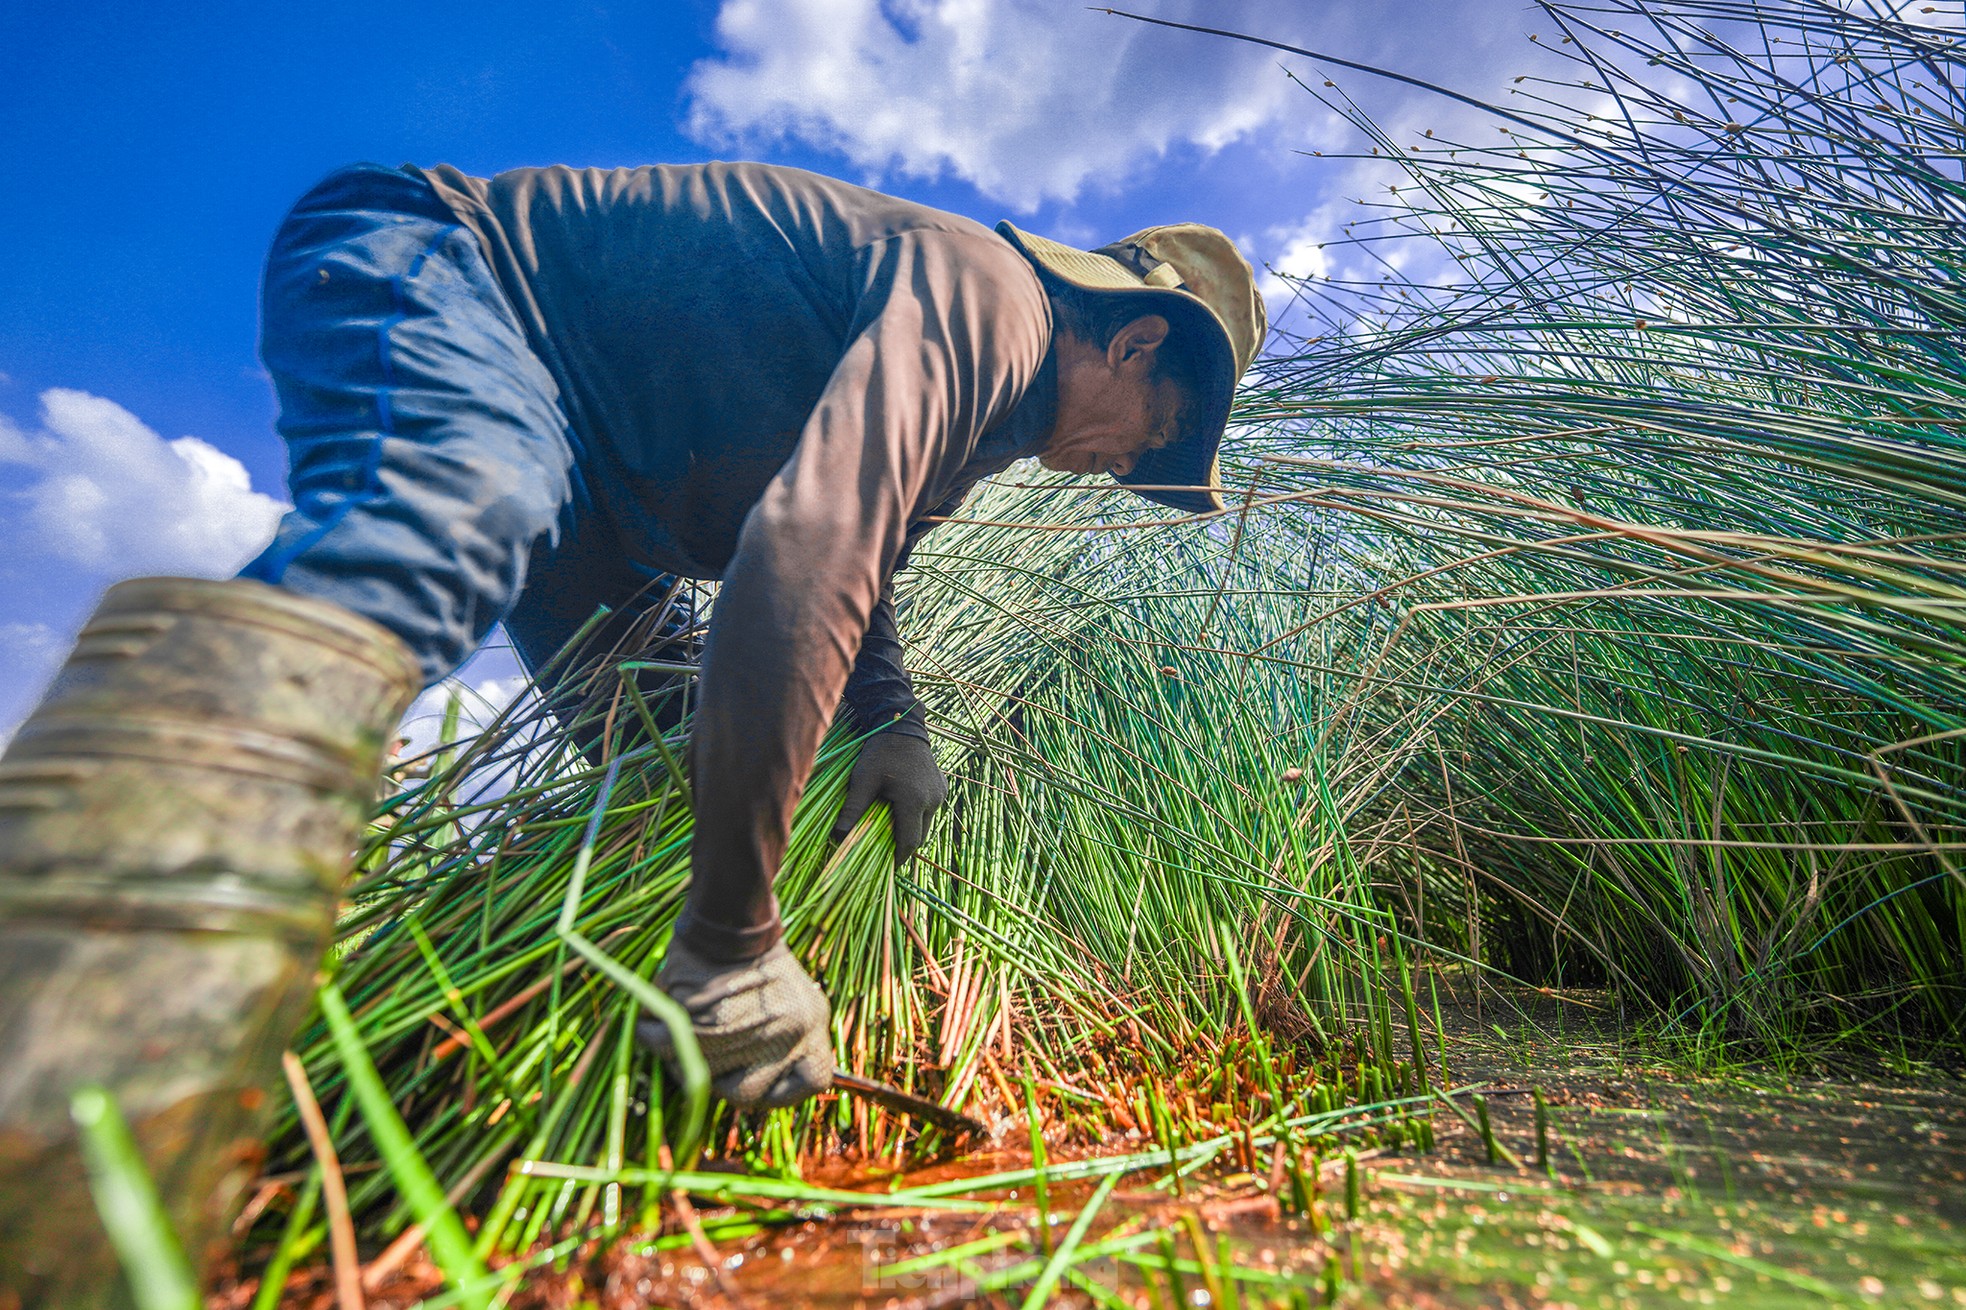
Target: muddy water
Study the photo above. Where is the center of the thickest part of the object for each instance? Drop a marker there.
(1660, 1188)
(1748, 1190)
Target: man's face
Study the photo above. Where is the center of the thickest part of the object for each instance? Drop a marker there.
(1127, 420)
(1111, 407)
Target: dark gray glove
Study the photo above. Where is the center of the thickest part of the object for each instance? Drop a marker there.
(763, 1024)
(901, 770)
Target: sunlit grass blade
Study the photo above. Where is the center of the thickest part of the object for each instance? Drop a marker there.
(450, 1247)
(158, 1274)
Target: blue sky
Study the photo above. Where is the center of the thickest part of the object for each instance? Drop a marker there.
(149, 152)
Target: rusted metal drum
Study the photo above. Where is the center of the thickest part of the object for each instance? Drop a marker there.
(176, 820)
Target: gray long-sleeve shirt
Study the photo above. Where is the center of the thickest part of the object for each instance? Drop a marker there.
(773, 378)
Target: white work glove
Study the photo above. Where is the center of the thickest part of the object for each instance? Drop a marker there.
(901, 770)
(763, 1025)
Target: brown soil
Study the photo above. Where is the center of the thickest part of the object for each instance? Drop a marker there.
(1660, 1187)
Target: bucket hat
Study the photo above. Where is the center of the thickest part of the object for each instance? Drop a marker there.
(1194, 276)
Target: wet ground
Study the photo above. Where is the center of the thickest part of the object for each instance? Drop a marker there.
(1665, 1188)
(1659, 1187)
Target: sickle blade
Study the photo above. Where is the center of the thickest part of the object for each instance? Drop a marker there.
(906, 1103)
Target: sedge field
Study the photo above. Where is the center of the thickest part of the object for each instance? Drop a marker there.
(1515, 856)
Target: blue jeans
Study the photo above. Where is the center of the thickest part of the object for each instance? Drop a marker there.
(433, 471)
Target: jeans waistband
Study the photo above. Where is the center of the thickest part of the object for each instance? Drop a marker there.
(376, 187)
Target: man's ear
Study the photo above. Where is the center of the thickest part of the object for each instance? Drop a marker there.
(1136, 343)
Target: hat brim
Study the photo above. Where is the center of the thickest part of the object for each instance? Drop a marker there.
(1185, 474)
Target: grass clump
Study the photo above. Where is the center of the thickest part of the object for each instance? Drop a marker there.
(1639, 504)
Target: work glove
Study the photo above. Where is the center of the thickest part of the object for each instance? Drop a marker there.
(763, 1025)
(901, 770)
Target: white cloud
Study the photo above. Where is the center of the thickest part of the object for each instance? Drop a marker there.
(480, 701)
(106, 495)
(1026, 99)
(1950, 16)
(1350, 236)
(488, 683)
(30, 652)
(30, 643)
(1297, 250)
(1033, 100)
(1372, 220)
(90, 495)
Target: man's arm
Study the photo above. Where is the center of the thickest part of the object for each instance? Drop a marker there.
(879, 691)
(896, 764)
(951, 333)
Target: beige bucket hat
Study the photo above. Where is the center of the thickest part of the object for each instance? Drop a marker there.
(1195, 276)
